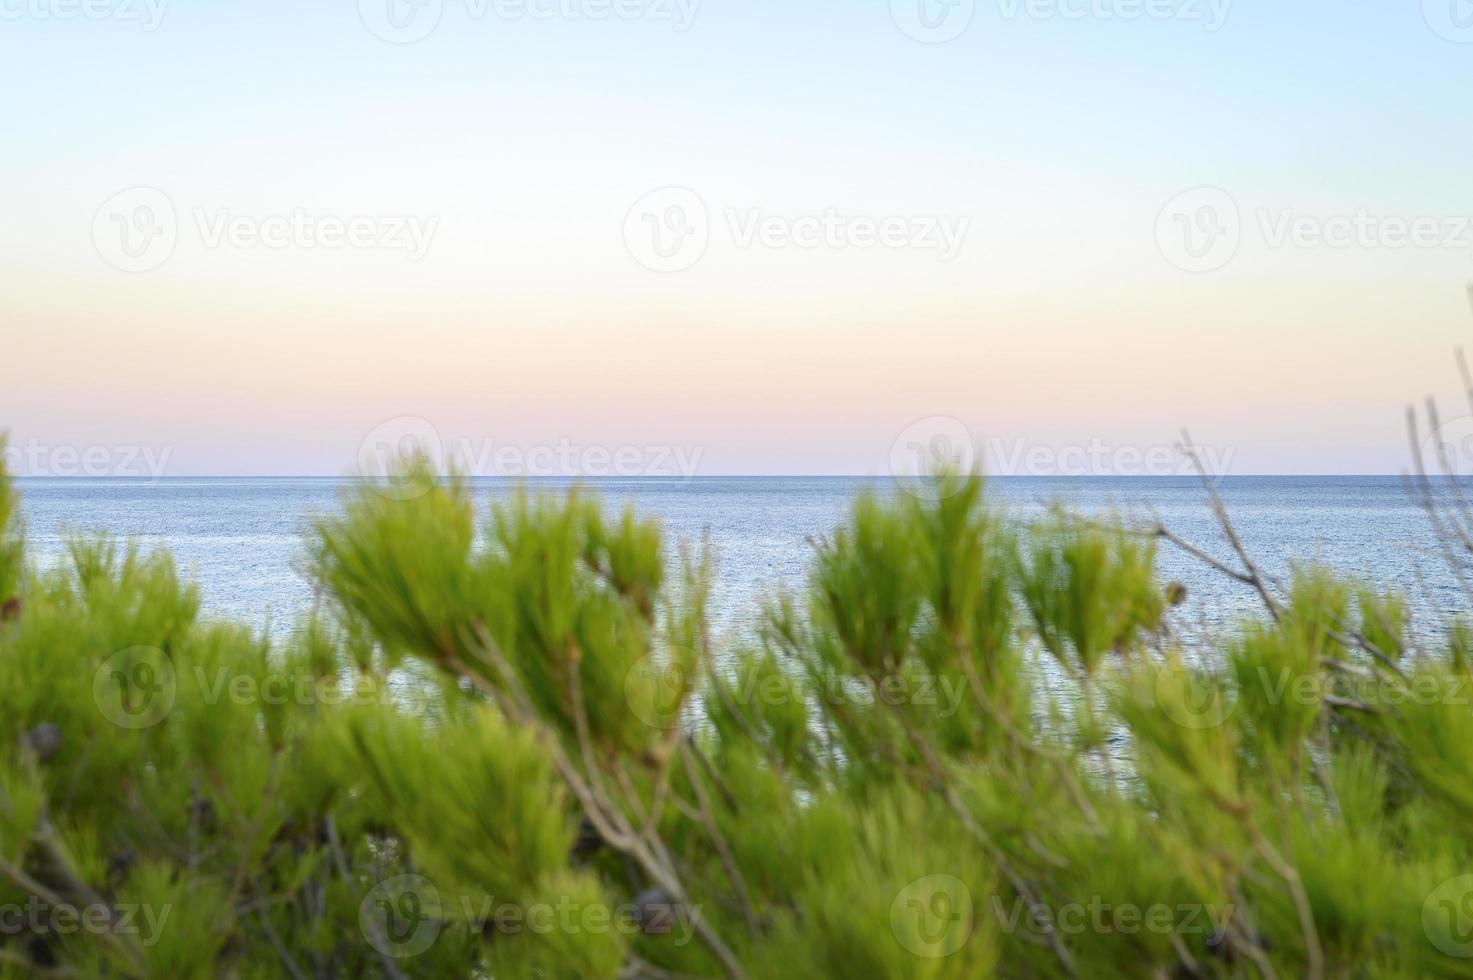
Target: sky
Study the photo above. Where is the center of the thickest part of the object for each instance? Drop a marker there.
(658, 237)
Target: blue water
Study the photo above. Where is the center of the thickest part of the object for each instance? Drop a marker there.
(241, 539)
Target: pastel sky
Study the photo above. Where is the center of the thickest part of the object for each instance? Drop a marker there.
(473, 237)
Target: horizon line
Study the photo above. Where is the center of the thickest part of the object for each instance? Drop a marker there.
(677, 478)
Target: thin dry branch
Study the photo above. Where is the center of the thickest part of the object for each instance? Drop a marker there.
(1255, 578)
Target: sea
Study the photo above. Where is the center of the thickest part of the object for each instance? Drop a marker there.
(242, 539)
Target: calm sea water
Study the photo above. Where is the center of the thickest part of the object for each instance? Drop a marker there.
(241, 539)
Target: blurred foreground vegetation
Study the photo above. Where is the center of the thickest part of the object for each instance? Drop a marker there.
(505, 747)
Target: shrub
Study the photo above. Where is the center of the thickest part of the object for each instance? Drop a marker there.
(507, 746)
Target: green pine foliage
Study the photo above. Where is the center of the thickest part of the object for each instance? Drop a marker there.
(507, 745)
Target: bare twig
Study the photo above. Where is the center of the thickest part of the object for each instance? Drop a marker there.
(1250, 569)
(282, 953)
(964, 814)
(611, 823)
(718, 840)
